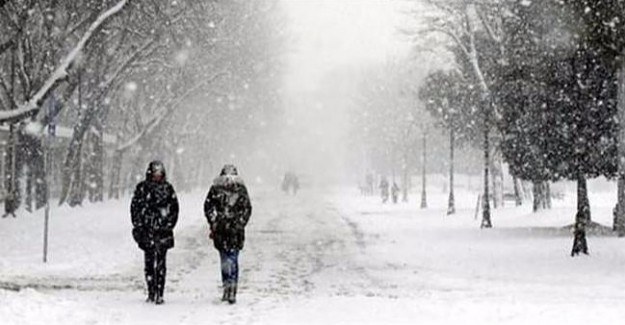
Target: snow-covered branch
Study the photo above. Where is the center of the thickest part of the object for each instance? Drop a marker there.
(60, 73)
(167, 109)
(455, 37)
(6, 45)
(488, 27)
(124, 65)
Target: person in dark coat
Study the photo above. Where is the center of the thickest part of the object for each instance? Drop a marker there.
(228, 209)
(154, 213)
(290, 183)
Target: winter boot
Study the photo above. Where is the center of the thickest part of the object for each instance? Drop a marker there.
(232, 294)
(159, 294)
(159, 300)
(151, 288)
(226, 287)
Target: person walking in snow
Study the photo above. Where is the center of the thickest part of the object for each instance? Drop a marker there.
(228, 209)
(384, 189)
(290, 182)
(369, 184)
(394, 192)
(154, 213)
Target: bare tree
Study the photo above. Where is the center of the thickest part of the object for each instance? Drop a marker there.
(463, 22)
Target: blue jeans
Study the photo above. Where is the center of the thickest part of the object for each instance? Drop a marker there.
(229, 266)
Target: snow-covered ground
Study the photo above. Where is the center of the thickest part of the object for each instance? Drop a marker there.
(326, 256)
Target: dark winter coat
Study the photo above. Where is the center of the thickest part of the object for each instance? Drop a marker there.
(154, 213)
(227, 209)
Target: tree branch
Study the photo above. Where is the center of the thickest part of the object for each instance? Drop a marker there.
(159, 117)
(453, 36)
(6, 45)
(32, 106)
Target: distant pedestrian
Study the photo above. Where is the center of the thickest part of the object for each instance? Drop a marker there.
(228, 209)
(154, 213)
(384, 188)
(394, 192)
(369, 184)
(290, 182)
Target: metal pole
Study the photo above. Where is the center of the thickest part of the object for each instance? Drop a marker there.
(46, 162)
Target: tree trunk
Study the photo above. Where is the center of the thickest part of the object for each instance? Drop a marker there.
(99, 165)
(500, 174)
(28, 191)
(404, 181)
(547, 195)
(424, 202)
(77, 188)
(90, 167)
(494, 181)
(66, 178)
(71, 179)
(41, 183)
(12, 199)
(486, 223)
(537, 191)
(451, 204)
(393, 165)
(618, 212)
(34, 170)
(619, 209)
(582, 218)
(94, 167)
(543, 198)
(116, 167)
(518, 200)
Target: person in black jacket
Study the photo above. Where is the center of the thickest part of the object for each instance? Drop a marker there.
(154, 213)
(227, 209)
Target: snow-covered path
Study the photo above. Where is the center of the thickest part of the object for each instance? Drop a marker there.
(316, 258)
(292, 242)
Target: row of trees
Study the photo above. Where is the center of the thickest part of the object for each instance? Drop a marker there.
(385, 121)
(395, 136)
(538, 82)
(161, 77)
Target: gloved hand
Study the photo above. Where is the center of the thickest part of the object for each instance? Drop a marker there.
(211, 234)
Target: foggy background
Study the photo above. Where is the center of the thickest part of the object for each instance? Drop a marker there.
(334, 42)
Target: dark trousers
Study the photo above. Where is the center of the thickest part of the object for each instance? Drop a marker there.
(229, 266)
(155, 271)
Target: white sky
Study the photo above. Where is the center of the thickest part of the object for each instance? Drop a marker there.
(331, 33)
(331, 38)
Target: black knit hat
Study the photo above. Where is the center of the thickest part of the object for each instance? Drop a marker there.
(229, 169)
(155, 166)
